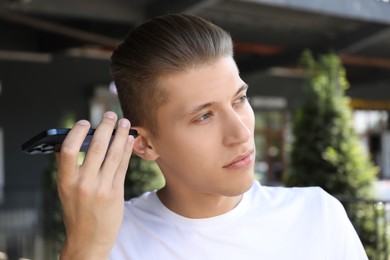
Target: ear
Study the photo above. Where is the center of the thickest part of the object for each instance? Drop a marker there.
(143, 145)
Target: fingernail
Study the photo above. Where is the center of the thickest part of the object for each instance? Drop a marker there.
(110, 115)
(130, 138)
(83, 122)
(124, 123)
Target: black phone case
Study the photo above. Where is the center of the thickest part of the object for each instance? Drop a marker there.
(50, 141)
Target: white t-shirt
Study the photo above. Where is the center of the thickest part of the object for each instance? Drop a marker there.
(270, 223)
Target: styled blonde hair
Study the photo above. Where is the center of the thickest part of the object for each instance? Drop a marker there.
(167, 44)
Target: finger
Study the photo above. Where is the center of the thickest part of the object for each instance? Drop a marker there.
(98, 148)
(115, 152)
(70, 148)
(119, 178)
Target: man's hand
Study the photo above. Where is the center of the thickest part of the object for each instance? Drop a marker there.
(92, 194)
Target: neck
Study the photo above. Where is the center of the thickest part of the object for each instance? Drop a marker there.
(197, 205)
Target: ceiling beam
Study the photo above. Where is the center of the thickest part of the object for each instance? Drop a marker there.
(55, 28)
(343, 45)
(372, 62)
(367, 41)
(258, 48)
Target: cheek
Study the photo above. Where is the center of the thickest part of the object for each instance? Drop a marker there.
(179, 144)
(249, 118)
(197, 144)
(194, 147)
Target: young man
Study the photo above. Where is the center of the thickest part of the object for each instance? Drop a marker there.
(180, 87)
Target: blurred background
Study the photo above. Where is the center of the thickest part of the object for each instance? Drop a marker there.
(54, 70)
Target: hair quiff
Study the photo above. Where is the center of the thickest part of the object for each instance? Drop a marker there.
(167, 44)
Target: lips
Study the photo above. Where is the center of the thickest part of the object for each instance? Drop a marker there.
(241, 161)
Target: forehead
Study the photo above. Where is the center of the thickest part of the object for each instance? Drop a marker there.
(202, 80)
(208, 83)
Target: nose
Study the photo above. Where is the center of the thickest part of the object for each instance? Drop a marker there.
(237, 127)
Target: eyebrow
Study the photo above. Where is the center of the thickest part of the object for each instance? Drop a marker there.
(206, 105)
(242, 88)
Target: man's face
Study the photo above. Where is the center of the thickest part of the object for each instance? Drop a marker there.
(205, 138)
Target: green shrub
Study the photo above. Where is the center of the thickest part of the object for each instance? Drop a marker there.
(326, 150)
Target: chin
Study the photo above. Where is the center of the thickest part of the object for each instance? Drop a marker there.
(241, 187)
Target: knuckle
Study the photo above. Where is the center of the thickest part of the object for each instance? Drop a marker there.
(68, 150)
(103, 195)
(65, 188)
(98, 146)
(114, 156)
(84, 189)
(62, 188)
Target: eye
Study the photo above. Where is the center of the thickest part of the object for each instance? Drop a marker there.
(241, 99)
(203, 117)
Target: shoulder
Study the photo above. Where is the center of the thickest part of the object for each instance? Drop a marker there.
(296, 195)
(300, 203)
(146, 203)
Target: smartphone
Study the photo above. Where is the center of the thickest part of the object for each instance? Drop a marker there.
(50, 141)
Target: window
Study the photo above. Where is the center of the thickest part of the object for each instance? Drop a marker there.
(270, 139)
(373, 128)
